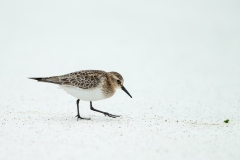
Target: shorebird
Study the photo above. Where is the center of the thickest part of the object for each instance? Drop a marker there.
(89, 85)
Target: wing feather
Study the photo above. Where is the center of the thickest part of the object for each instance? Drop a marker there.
(82, 79)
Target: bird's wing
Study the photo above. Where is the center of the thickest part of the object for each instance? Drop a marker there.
(81, 79)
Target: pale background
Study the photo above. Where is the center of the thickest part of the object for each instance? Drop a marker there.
(180, 61)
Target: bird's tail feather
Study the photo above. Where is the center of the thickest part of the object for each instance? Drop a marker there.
(46, 79)
(38, 79)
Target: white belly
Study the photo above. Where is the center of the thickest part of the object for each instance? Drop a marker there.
(85, 94)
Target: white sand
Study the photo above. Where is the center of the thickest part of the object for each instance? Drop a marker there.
(180, 61)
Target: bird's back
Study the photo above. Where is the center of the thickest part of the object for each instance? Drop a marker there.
(81, 79)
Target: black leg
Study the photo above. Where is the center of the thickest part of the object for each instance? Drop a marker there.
(78, 114)
(105, 113)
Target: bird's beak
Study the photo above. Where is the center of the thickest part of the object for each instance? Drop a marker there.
(124, 89)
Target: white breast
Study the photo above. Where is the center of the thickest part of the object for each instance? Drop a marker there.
(85, 94)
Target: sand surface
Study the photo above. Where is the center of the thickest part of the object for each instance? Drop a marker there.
(180, 62)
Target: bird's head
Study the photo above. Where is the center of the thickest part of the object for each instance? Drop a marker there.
(117, 81)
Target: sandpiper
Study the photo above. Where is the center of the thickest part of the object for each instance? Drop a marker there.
(89, 85)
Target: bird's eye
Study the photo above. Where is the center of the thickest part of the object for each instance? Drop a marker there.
(118, 81)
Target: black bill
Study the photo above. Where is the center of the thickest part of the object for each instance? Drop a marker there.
(123, 88)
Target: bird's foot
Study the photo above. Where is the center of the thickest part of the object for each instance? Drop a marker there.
(110, 115)
(79, 117)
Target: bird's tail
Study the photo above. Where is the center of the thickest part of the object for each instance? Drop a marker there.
(38, 79)
(47, 79)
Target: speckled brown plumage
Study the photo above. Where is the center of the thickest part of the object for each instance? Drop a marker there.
(81, 79)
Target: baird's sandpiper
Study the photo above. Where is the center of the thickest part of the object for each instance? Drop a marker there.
(89, 85)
